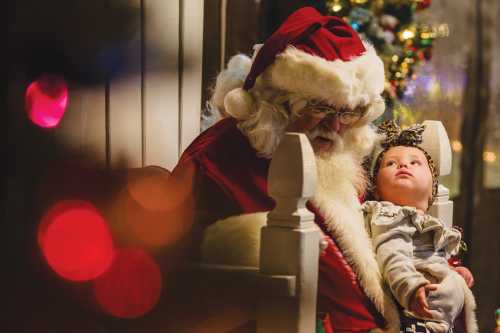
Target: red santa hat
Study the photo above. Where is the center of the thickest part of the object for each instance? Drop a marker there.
(312, 55)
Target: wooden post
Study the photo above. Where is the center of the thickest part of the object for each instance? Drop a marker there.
(290, 241)
(437, 144)
(442, 207)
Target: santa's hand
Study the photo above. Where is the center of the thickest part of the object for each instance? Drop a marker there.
(418, 302)
(466, 274)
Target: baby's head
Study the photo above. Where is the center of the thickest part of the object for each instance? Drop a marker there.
(404, 173)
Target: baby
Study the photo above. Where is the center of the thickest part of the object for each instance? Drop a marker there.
(411, 246)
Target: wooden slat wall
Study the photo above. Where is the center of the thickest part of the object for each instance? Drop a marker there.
(125, 134)
(191, 76)
(161, 83)
(230, 27)
(71, 126)
(125, 105)
(150, 114)
(93, 108)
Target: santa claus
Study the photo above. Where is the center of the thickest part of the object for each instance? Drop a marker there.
(316, 76)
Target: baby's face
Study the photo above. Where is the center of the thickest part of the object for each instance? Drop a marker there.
(404, 177)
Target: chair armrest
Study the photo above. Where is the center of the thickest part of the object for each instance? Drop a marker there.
(269, 285)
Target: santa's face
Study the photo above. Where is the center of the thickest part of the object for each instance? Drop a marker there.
(324, 131)
(404, 177)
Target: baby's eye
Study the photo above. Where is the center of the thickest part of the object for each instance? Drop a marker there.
(390, 163)
(415, 162)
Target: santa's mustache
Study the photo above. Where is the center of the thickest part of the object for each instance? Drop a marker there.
(329, 135)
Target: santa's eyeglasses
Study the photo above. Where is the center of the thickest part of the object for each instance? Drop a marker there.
(345, 116)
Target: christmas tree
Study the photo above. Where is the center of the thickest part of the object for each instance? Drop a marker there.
(401, 41)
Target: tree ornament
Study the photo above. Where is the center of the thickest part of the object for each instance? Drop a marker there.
(422, 4)
(360, 18)
(388, 22)
(338, 7)
(360, 2)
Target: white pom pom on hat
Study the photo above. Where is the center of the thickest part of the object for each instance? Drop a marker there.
(230, 78)
(238, 103)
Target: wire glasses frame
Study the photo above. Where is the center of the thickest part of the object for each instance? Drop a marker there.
(345, 117)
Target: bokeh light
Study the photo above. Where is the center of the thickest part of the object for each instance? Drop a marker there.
(155, 208)
(75, 240)
(456, 146)
(46, 100)
(132, 285)
(151, 188)
(489, 156)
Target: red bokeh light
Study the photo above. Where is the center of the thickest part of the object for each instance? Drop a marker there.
(46, 100)
(76, 241)
(132, 285)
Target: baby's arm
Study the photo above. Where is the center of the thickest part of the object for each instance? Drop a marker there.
(394, 251)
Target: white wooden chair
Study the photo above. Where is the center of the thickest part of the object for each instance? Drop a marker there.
(289, 247)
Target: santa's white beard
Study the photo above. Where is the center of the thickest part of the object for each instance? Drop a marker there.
(341, 179)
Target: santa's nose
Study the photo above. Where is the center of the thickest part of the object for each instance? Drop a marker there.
(332, 122)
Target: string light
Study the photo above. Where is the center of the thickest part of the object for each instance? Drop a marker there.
(443, 30)
(456, 146)
(336, 6)
(407, 34)
(489, 156)
(359, 2)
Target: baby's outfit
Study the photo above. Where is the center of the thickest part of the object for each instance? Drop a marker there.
(412, 249)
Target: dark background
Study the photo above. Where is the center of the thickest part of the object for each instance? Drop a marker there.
(61, 37)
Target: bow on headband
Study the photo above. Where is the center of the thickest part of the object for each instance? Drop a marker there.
(396, 136)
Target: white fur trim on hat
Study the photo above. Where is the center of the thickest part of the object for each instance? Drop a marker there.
(231, 78)
(359, 81)
(375, 109)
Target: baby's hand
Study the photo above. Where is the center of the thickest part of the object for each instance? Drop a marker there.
(418, 302)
